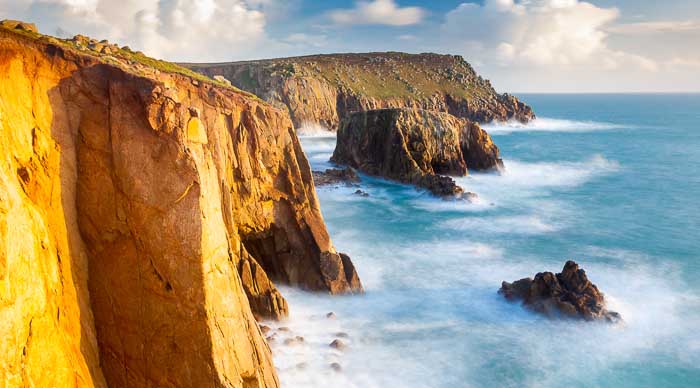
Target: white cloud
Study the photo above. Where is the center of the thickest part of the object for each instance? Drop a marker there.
(540, 33)
(185, 30)
(656, 27)
(385, 12)
(302, 39)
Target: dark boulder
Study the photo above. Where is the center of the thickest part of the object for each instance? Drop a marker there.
(568, 294)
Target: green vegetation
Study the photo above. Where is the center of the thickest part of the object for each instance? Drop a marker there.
(378, 75)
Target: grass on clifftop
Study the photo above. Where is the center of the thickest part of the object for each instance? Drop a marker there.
(128, 56)
(380, 75)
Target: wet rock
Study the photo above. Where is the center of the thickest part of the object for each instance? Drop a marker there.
(330, 315)
(294, 341)
(567, 294)
(337, 344)
(335, 176)
(336, 367)
(283, 329)
(265, 329)
(417, 147)
(361, 193)
(302, 365)
(341, 334)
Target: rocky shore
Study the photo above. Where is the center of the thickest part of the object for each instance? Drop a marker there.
(417, 147)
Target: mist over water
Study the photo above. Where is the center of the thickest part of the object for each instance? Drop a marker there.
(620, 199)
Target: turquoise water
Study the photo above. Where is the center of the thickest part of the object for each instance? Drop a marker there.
(611, 181)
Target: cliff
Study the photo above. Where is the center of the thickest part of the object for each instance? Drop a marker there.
(144, 210)
(415, 146)
(324, 89)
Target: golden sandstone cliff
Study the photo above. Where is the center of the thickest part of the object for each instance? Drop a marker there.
(144, 216)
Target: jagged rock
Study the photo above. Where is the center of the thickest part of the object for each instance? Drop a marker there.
(18, 25)
(222, 79)
(568, 294)
(334, 176)
(325, 89)
(138, 243)
(361, 193)
(416, 147)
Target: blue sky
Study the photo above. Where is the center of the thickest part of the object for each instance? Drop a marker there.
(521, 45)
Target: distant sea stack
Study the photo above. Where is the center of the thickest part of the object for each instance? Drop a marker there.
(566, 294)
(415, 146)
(145, 212)
(324, 89)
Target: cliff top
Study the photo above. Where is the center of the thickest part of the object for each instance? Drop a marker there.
(135, 62)
(377, 74)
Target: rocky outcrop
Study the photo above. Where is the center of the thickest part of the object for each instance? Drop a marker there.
(567, 294)
(336, 176)
(143, 213)
(324, 89)
(415, 146)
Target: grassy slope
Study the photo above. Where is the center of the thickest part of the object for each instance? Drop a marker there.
(382, 75)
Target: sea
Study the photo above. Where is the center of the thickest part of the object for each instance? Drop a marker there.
(611, 181)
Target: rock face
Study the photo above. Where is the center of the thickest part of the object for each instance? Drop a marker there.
(568, 294)
(416, 147)
(324, 89)
(143, 213)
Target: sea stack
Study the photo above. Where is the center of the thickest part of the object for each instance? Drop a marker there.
(417, 147)
(566, 294)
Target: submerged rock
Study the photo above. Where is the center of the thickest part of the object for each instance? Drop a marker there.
(417, 147)
(336, 367)
(568, 294)
(337, 344)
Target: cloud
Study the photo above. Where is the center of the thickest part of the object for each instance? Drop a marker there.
(540, 33)
(384, 12)
(656, 27)
(185, 30)
(303, 39)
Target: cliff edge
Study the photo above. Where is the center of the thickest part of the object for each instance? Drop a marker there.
(145, 212)
(324, 89)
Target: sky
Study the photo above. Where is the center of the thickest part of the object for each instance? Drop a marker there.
(522, 46)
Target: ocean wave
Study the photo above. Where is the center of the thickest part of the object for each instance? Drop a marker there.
(314, 130)
(522, 224)
(544, 124)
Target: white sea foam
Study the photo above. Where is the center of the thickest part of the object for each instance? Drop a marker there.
(543, 124)
(431, 316)
(525, 224)
(314, 130)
